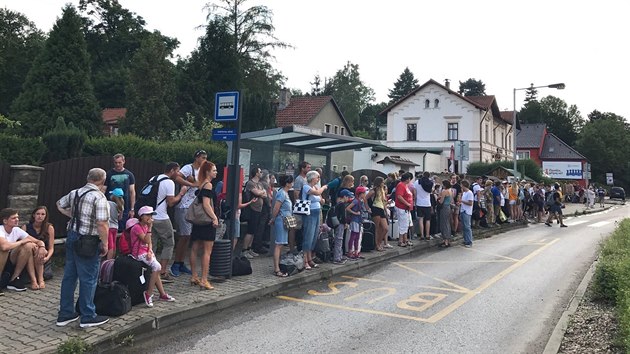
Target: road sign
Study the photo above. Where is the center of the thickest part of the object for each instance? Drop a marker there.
(609, 179)
(226, 106)
(223, 134)
(461, 151)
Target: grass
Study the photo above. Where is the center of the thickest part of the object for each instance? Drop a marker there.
(74, 345)
(612, 277)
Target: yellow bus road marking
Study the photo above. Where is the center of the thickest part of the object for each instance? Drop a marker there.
(464, 299)
(370, 280)
(389, 291)
(453, 285)
(341, 307)
(490, 254)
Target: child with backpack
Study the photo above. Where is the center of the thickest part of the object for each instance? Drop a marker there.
(354, 210)
(341, 227)
(116, 206)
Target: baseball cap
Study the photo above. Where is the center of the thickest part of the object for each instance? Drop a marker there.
(131, 222)
(346, 193)
(117, 192)
(146, 210)
(360, 189)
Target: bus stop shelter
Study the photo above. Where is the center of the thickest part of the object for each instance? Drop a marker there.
(281, 149)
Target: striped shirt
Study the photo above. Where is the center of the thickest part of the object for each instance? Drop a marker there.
(93, 207)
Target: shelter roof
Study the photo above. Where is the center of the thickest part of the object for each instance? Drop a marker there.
(398, 161)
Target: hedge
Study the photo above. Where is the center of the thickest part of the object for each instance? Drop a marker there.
(21, 151)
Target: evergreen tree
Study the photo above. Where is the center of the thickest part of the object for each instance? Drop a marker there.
(316, 86)
(350, 93)
(531, 94)
(406, 83)
(472, 87)
(20, 43)
(151, 91)
(58, 84)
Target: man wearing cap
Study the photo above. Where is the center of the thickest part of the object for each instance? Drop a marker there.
(188, 177)
(162, 228)
(88, 211)
(120, 177)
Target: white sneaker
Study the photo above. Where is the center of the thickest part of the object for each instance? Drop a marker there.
(253, 253)
(248, 255)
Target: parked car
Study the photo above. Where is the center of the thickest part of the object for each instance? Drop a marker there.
(617, 193)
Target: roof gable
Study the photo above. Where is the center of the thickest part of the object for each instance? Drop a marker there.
(112, 115)
(302, 110)
(554, 148)
(531, 136)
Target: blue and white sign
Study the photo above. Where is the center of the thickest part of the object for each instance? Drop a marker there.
(563, 169)
(223, 134)
(226, 106)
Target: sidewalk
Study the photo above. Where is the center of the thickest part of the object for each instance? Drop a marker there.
(28, 323)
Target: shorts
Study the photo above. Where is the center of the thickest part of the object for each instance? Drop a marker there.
(378, 212)
(253, 221)
(184, 228)
(512, 202)
(153, 263)
(111, 238)
(404, 221)
(163, 230)
(423, 212)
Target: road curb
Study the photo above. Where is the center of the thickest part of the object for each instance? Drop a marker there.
(554, 342)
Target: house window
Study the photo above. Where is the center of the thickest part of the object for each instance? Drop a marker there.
(522, 155)
(327, 128)
(344, 168)
(336, 129)
(436, 103)
(487, 134)
(411, 132)
(453, 131)
(335, 167)
(343, 131)
(427, 103)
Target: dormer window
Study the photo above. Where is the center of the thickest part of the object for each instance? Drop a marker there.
(427, 104)
(327, 128)
(436, 103)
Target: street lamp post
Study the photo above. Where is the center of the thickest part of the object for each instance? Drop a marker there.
(559, 86)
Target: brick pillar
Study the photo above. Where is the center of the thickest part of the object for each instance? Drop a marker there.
(24, 189)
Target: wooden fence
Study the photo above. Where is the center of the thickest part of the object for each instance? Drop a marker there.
(60, 177)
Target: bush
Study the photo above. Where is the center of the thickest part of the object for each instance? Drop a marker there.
(532, 170)
(21, 151)
(612, 276)
(63, 142)
(74, 345)
(159, 151)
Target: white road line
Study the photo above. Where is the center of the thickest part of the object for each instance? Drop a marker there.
(599, 224)
(577, 222)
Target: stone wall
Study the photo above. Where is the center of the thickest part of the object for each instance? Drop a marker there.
(24, 189)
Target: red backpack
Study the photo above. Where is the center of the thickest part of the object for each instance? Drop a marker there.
(124, 242)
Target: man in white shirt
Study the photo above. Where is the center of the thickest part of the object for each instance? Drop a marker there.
(477, 193)
(20, 249)
(466, 211)
(162, 227)
(424, 187)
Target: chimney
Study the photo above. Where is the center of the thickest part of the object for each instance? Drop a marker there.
(447, 83)
(285, 98)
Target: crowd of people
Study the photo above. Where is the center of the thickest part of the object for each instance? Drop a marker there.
(403, 207)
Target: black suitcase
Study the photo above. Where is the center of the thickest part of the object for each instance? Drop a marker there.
(368, 240)
(134, 274)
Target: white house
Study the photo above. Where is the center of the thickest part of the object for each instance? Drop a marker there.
(424, 125)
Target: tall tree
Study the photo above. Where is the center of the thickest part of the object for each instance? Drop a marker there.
(151, 90)
(20, 43)
(597, 115)
(58, 84)
(350, 93)
(113, 36)
(370, 120)
(406, 83)
(531, 94)
(316, 86)
(472, 87)
(564, 121)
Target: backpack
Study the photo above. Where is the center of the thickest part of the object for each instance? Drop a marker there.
(149, 193)
(124, 245)
(550, 200)
(221, 208)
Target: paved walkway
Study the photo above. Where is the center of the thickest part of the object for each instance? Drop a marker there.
(28, 318)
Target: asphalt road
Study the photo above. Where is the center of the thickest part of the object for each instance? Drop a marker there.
(504, 295)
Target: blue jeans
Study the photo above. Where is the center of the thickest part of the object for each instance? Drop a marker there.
(83, 269)
(310, 229)
(467, 230)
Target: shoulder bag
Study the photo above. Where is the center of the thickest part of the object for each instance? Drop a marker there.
(302, 206)
(196, 214)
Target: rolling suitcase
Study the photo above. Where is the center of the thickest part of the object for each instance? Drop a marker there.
(368, 239)
(134, 274)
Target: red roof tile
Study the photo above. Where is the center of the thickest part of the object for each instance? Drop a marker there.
(112, 115)
(301, 110)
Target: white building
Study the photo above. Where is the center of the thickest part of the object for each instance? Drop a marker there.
(424, 125)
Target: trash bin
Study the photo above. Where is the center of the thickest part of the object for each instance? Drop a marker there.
(221, 259)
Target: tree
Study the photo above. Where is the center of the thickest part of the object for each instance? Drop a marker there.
(597, 115)
(531, 94)
(316, 86)
(113, 35)
(58, 84)
(350, 93)
(472, 87)
(151, 91)
(20, 43)
(562, 120)
(406, 83)
(370, 120)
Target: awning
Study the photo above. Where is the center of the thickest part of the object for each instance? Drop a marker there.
(300, 137)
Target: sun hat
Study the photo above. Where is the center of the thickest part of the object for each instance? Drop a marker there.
(146, 210)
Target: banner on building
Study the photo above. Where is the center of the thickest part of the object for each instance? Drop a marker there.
(562, 169)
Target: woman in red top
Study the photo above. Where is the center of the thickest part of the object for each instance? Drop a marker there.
(404, 204)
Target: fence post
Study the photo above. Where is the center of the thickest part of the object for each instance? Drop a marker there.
(24, 189)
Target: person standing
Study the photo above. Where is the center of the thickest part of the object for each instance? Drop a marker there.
(404, 205)
(488, 196)
(310, 226)
(300, 179)
(120, 177)
(466, 211)
(282, 208)
(188, 177)
(88, 211)
(254, 188)
(456, 192)
(445, 199)
(477, 190)
(378, 195)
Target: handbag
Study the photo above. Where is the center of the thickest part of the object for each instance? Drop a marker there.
(87, 246)
(290, 222)
(502, 216)
(241, 266)
(302, 206)
(196, 214)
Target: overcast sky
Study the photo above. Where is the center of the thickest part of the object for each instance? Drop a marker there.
(506, 44)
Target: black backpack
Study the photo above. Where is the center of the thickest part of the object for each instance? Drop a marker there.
(149, 193)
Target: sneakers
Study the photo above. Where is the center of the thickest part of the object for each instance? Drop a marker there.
(563, 225)
(174, 269)
(166, 278)
(184, 269)
(247, 254)
(16, 284)
(148, 299)
(340, 262)
(254, 254)
(548, 224)
(93, 322)
(166, 297)
(63, 321)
